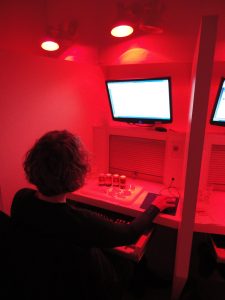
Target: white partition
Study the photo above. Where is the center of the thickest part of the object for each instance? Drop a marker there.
(201, 79)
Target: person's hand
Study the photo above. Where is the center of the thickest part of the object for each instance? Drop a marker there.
(163, 202)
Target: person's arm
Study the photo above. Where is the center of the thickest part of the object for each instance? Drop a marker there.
(96, 231)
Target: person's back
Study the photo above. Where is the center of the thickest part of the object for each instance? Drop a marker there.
(49, 260)
(45, 269)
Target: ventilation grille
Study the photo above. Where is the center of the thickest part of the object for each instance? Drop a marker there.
(137, 157)
(216, 174)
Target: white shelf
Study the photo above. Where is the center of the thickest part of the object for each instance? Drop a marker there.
(94, 195)
(209, 216)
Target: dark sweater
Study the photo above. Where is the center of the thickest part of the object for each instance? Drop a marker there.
(62, 246)
(79, 226)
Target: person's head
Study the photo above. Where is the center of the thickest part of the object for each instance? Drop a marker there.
(57, 163)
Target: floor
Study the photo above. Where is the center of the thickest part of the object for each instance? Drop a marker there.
(149, 292)
(207, 277)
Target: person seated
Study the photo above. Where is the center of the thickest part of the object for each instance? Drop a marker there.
(56, 165)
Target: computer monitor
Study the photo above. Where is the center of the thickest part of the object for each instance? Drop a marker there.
(218, 112)
(142, 101)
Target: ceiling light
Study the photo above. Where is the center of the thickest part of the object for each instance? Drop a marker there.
(122, 30)
(50, 45)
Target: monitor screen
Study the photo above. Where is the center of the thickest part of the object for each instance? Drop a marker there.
(143, 101)
(218, 113)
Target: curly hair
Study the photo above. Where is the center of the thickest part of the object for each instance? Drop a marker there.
(57, 163)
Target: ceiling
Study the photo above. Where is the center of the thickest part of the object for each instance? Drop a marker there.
(86, 24)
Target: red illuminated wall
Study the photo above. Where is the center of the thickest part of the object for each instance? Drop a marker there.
(38, 95)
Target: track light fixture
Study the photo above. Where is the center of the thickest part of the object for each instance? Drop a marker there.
(123, 25)
(60, 36)
(131, 16)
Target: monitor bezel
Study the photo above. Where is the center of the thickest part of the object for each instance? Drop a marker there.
(214, 122)
(138, 120)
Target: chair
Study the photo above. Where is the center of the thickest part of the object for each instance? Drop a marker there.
(218, 244)
(5, 237)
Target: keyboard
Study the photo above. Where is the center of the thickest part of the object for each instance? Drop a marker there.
(133, 252)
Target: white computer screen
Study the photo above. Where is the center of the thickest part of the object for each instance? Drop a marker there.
(141, 100)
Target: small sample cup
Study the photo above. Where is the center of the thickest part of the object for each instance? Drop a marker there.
(116, 180)
(101, 179)
(108, 179)
(122, 181)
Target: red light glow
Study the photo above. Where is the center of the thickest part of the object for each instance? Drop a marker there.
(50, 46)
(122, 31)
(134, 55)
